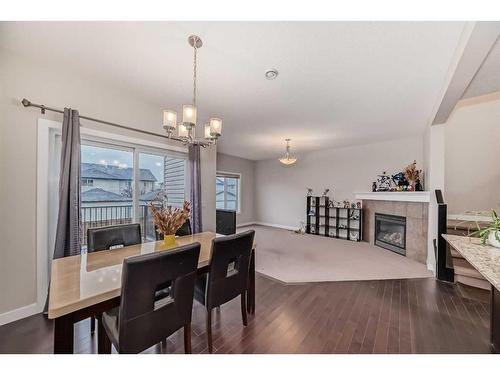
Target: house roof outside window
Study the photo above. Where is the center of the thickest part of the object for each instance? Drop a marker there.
(113, 172)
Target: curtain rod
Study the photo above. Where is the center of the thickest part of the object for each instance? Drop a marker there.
(43, 108)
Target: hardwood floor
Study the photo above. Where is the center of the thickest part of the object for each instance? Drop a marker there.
(386, 316)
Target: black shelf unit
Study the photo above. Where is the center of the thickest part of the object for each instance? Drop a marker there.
(336, 222)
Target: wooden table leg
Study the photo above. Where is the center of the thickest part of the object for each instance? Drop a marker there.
(63, 335)
(103, 342)
(251, 285)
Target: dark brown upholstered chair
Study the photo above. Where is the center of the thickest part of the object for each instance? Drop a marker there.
(142, 320)
(185, 230)
(106, 237)
(227, 277)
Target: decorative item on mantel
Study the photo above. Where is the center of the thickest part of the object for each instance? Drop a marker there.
(168, 221)
(410, 179)
(412, 174)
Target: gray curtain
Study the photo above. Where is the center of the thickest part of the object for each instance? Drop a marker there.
(68, 220)
(194, 176)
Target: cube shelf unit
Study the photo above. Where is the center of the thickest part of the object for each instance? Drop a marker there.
(336, 222)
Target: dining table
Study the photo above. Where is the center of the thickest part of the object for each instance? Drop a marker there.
(486, 260)
(86, 285)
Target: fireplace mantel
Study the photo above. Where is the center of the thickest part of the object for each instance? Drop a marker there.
(397, 196)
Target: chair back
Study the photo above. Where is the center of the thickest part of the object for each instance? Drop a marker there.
(184, 230)
(105, 238)
(145, 320)
(229, 267)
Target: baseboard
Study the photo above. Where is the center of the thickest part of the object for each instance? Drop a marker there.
(246, 224)
(430, 267)
(20, 313)
(276, 225)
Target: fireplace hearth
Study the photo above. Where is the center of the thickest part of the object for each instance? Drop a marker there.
(390, 232)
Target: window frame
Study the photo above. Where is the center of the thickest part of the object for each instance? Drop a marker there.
(47, 131)
(238, 177)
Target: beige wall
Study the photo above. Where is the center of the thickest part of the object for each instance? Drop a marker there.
(472, 155)
(281, 191)
(18, 139)
(228, 163)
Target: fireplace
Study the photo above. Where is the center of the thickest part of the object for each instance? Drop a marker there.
(390, 232)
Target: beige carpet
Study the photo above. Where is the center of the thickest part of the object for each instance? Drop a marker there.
(293, 258)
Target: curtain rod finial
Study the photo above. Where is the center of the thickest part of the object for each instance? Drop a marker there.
(26, 102)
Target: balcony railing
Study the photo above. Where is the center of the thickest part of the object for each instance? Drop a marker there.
(103, 216)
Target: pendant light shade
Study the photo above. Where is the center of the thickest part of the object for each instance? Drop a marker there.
(287, 159)
(215, 127)
(183, 130)
(189, 114)
(169, 120)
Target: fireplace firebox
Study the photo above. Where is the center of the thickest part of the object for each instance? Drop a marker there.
(390, 232)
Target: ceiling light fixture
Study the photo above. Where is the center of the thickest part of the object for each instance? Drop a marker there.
(271, 74)
(287, 159)
(187, 128)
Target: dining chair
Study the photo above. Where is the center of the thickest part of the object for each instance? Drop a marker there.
(105, 238)
(184, 230)
(227, 277)
(142, 320)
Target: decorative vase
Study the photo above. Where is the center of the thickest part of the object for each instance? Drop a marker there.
(169, 240)
(492, 239)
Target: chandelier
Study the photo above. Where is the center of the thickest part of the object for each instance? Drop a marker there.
(186, 130)
(287, 159)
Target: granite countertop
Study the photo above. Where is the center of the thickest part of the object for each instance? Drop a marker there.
(484, 258)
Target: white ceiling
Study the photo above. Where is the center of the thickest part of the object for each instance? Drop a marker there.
(487, 79)
(339, 84)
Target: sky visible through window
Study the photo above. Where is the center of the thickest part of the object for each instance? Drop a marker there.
(123, 159)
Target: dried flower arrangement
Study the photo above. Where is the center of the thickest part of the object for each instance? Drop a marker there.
(411, 171)
(168, 220)
(412, 174)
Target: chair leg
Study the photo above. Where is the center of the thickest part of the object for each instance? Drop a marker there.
(244, 308)
(187, 339)
(92, 325)
(209, 330)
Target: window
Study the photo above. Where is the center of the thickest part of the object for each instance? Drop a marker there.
(119, 180)
(227, 190)
(162, 181)
(109, 199)
(87, 182)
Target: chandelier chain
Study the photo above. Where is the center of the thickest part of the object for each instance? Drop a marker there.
(194, 74)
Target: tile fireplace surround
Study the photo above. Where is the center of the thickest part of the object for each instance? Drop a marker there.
(416, 224)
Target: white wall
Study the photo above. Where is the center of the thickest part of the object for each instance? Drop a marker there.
(245, 167)
(281, 191)
(18, 135)
(472, 155)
